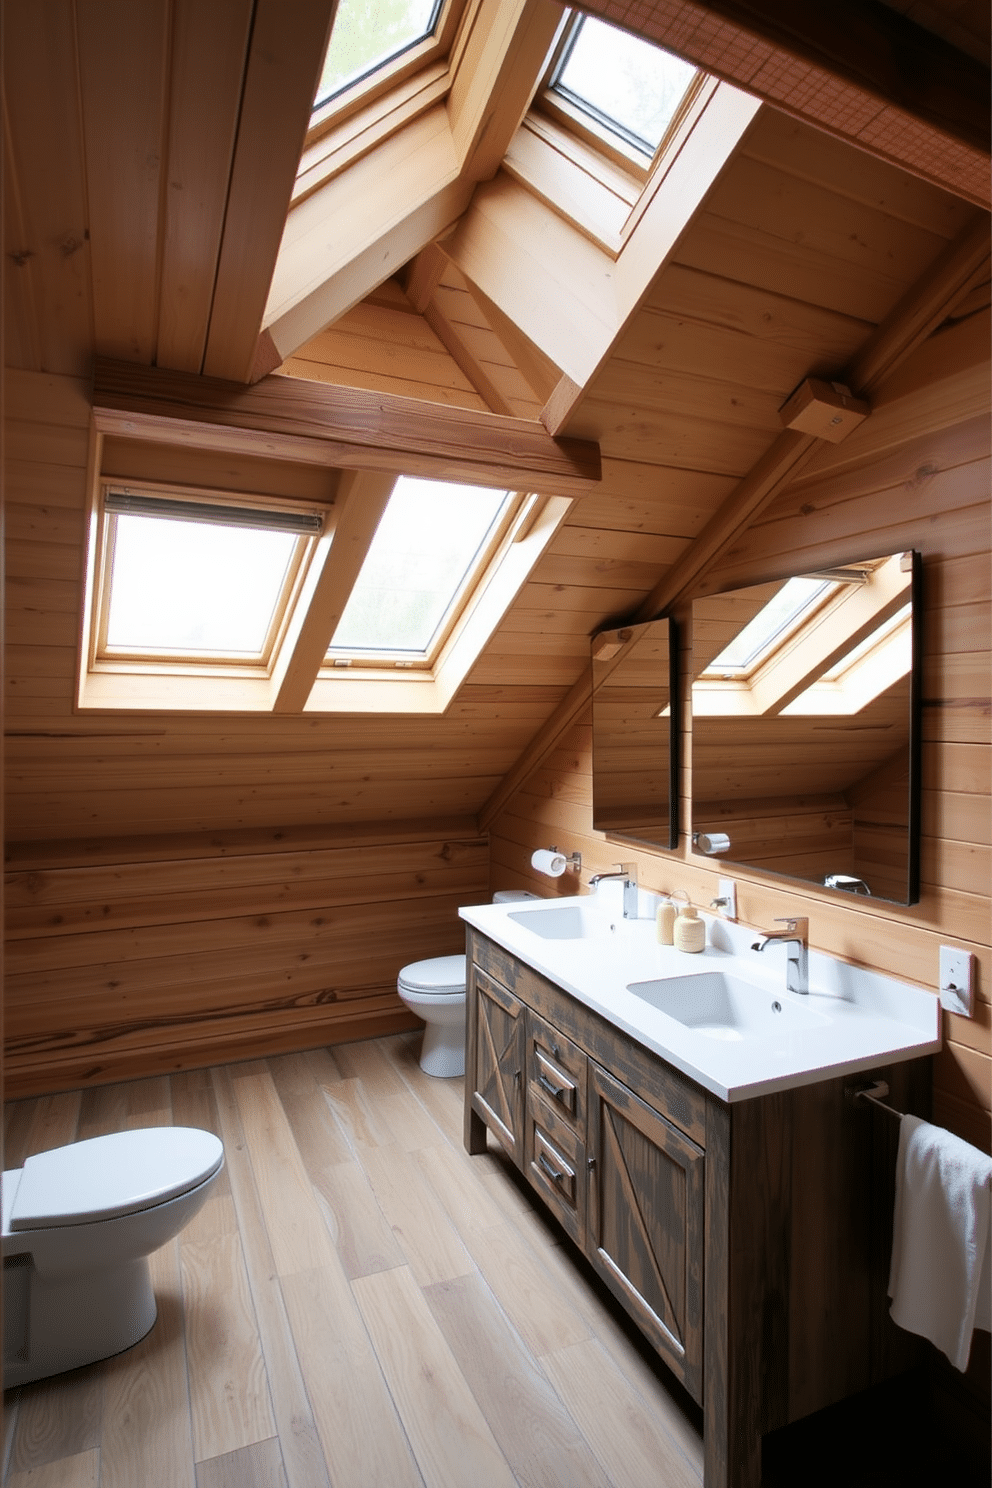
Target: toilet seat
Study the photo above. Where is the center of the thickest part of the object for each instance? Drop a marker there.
(444, 976)
(107, 1177)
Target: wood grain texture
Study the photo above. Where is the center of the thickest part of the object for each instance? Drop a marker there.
(448, 1432)
(586, 1407)
(341, 426)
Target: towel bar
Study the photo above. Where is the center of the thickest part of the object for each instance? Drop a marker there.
(873, 1093)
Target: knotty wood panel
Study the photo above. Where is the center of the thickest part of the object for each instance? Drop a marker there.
(843, 508)
(172, 961)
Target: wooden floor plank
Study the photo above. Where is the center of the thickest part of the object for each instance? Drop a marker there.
(318, 1133)
(229, 1392)
(57, 1418)
(81, 1471)
(451, 1440)
(428, 1239)
(361, 1234)
(146, 1435)
(295, 1226)
(54, 1123)
(360, 1120)
(363, 1440)
(616, 1420)
(538, 1437)
(365, 1061)
(526, 1289)
(302, 1456)
(257, 1466)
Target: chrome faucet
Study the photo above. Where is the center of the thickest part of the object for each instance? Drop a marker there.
(628, 872)
(796, 937)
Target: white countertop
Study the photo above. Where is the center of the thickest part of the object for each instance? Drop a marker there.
(864, 1020)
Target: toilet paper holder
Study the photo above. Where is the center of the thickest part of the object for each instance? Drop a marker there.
(543, 861)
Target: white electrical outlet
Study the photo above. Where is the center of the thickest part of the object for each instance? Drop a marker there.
(726, 900)
(955, 980)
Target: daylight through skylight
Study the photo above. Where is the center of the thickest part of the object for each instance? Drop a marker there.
(425, 550)
(369, 33)
(622, 82)
(193, 589)
(772, 623)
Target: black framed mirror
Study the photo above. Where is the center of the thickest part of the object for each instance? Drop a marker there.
(806, 727)
(635, 733)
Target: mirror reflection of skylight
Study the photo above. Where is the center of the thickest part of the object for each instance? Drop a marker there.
(624, 83)
(772, 623)
(192, 589)
(424, 550)
(369, 33)
(899, 621)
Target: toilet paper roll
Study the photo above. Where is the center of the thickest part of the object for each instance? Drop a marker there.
(712, 842)
(551, 863)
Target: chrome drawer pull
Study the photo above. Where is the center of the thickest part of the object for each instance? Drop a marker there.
(551, 1171)
(556, 1090)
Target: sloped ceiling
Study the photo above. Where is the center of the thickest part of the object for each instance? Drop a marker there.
(150, 158)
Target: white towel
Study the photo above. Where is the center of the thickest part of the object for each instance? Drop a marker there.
(940, 1236)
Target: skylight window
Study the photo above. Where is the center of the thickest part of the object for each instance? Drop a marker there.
(188, 579)
(433, 539)
(623, 84)
(770, 626)
(367, 35)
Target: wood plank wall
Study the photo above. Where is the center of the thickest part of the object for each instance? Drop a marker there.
(150, 954)
(192, 889)
(888, 489)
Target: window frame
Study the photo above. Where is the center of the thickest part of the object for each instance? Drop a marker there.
(366, 661)
(379, 77)
(373, 108)
(224, 687)
(608, 138)
(158, 662)
(582, 172)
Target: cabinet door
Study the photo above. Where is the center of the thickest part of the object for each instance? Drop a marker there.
(498, 1095)
(646, 1221)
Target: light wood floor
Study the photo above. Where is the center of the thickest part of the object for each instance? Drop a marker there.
(360, 1303)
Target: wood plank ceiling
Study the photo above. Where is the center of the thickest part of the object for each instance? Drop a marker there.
(126, 235)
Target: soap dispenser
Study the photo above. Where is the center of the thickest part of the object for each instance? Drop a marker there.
(665, 922)
(690, 931)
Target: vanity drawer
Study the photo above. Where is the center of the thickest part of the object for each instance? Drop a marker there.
(556, 1070)
(555, 1163)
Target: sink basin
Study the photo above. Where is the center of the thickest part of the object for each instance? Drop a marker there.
(562, 922)
(724, 1007)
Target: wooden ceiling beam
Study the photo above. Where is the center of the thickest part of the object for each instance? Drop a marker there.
(920, 311)
(284, 61)
(879, 50)
(361, 499)
(318, 423)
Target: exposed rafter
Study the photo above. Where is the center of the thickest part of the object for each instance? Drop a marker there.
(316, 423)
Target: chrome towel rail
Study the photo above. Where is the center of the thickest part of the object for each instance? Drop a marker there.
(874, 1093)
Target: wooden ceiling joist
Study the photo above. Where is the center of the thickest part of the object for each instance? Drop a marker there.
(881, 51)
(316, 423)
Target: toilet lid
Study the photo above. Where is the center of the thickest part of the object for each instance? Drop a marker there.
(439, 974)
(108, 1176)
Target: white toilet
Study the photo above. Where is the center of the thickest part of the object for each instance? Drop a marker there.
(79, 1223)
(435, 991)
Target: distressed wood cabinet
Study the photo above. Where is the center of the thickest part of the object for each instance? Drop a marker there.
(750, 1242)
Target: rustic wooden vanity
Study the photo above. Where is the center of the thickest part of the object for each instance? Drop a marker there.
(749, 1241)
